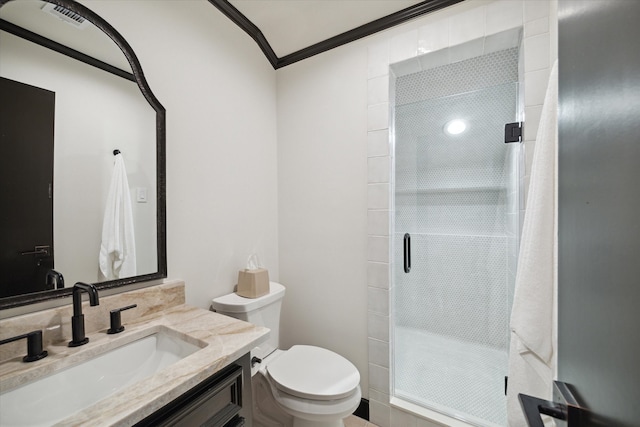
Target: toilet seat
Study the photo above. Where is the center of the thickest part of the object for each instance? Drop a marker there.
(317, 410)
(314, 373)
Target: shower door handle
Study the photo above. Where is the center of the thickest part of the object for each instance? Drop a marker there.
(407, 252)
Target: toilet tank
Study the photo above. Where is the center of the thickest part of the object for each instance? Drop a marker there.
(261, 311)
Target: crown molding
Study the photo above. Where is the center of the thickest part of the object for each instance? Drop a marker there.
(365, 30)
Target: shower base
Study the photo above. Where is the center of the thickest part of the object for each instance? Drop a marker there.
(461, 379)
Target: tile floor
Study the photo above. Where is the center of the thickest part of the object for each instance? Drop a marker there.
(353, 421)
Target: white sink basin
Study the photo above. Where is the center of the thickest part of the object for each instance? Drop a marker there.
(55, 397)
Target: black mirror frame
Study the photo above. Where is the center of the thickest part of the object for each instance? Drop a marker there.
(141, 81)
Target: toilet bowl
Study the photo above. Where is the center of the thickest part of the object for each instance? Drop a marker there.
(305, 386)
(313, 384)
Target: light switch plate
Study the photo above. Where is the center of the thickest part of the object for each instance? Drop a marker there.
(141, 195)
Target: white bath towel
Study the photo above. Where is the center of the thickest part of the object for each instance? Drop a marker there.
(532, 356)
(118, 248)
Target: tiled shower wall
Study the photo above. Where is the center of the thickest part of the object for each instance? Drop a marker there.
(458, 24)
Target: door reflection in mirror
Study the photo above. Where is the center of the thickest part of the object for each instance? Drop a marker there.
(26, 174)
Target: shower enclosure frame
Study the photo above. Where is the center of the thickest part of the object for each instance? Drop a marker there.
(395, 69)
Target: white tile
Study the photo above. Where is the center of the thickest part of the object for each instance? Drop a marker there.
(378, 196)
(503, 14)
(378, 223)
(406, 67)
(501, 41)
(539, 26)
(378, 90)
(403, 46)
(433, 36)
(421, 422)
(378, 326)
(378, 143)
(378, 248)
(535, 87)
(378, 274)
(378, 60)
(532, 121)
(379, 378)
(379, 352)
(401, 418)
(380, 414)
(467, 26)
(379, 396)
(553, 30)
(535, 9)
(536, 52)
(378, 116)
(435, 59)
(467, 50)
(392, 88)
(378, 302)
(378, 169)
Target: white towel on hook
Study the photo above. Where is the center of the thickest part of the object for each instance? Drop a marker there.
(532, 356)
(118, 248)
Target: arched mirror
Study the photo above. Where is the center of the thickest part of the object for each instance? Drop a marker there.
(77, 118)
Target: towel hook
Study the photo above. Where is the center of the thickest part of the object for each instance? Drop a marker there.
(116, 152)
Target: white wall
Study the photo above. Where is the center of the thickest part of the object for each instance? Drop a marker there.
(220, 95)
(322, 177)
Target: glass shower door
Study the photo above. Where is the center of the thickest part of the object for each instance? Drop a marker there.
(456, 195)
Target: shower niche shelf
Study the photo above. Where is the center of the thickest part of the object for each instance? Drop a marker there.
(461, 234)
(438, 190)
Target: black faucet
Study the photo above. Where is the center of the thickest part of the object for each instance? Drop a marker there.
(54, 276)
(77, 321)
(34, 345)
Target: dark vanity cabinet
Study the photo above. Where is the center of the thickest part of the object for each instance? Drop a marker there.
(222, 400)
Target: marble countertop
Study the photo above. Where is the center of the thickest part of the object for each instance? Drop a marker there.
(223, 340)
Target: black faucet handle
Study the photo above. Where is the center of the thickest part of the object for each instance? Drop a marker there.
(54, 276)
(34, 345)
(116, 319)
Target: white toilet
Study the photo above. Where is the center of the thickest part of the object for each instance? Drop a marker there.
(304, 386)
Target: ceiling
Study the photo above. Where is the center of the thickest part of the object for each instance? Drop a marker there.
(291, 25)
(288, 31)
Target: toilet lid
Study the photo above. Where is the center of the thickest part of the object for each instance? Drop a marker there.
(314, 373)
